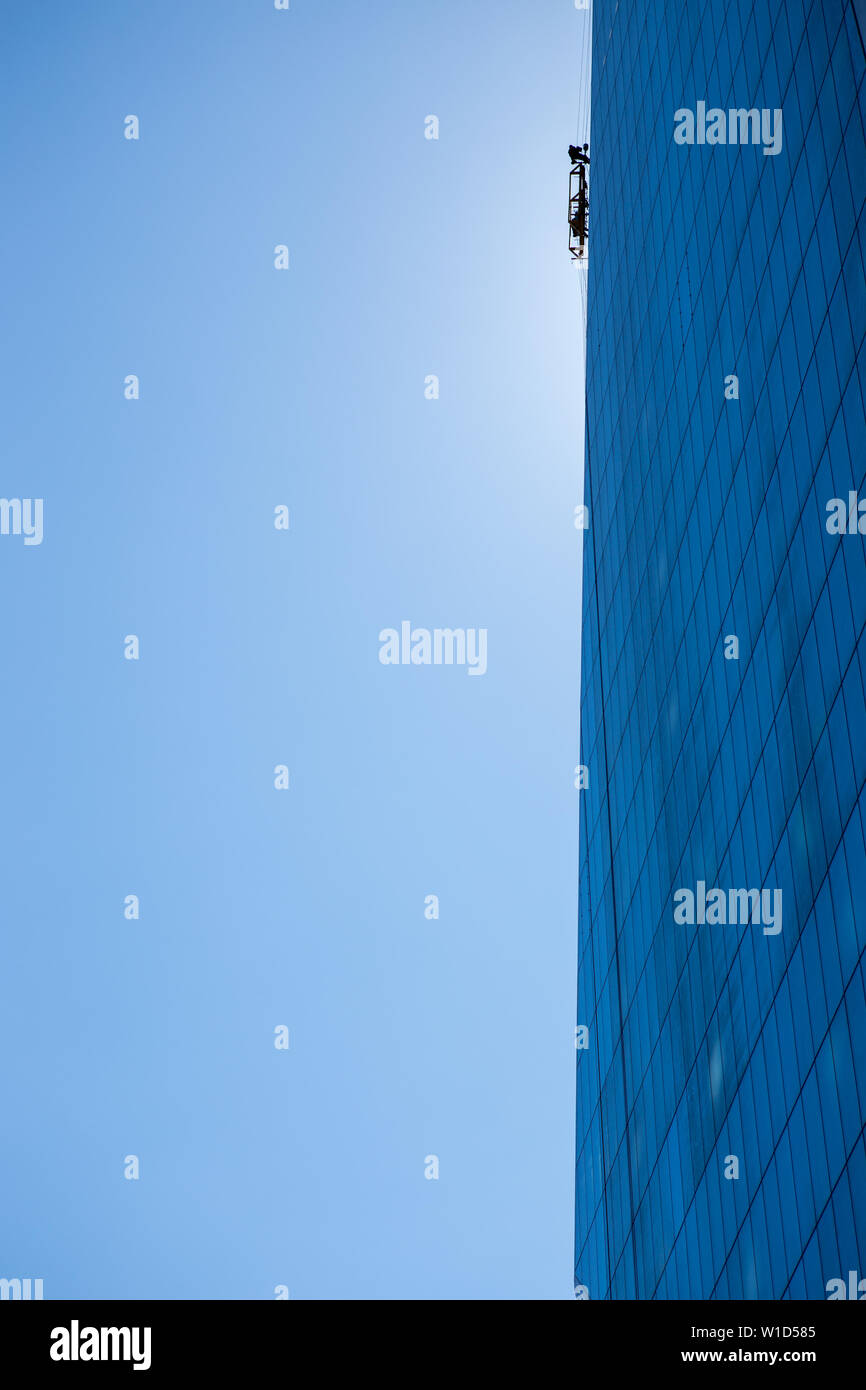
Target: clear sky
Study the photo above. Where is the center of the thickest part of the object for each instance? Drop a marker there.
(259, 647)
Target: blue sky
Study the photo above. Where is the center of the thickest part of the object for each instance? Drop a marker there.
(257, 647)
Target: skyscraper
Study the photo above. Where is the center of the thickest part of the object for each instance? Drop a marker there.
(721, 1043)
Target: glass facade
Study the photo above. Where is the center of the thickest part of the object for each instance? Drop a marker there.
(721, 1062)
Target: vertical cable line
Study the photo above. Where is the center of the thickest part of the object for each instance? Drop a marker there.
(587, 492)
(629, 1235)
(582, 133)
(584, 890)
(596, 974)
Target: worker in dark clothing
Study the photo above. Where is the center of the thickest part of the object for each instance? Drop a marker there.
(578, 156)
(577, 223)
(580, 207)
